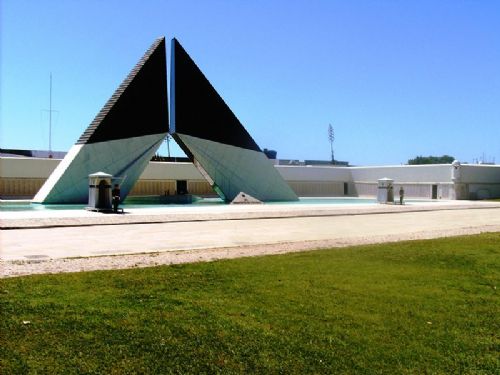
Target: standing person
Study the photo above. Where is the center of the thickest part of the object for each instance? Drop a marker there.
(401, 195)
(116, 197)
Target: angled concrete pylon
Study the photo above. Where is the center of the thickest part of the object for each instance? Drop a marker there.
(122, 138)
(215, 140)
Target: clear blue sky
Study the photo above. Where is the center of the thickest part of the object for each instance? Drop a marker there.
(396, 79)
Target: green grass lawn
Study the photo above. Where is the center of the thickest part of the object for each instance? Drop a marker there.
(410, 307)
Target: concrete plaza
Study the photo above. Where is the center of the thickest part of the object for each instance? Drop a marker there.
(40, 236)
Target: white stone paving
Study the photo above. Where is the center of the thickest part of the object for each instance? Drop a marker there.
(68, 234)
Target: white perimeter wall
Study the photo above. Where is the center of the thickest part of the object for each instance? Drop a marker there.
(172, 171)
(314, 173)
(480, 173)
(27, 167)
(482, 181)
(404, 173)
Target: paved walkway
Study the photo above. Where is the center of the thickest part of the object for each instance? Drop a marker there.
(62, 235)
(64, 218)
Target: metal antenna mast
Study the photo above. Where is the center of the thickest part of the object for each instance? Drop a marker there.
(50, 118)
(331, 138)
(50, 110)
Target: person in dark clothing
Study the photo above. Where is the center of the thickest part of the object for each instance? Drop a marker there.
(116, 197)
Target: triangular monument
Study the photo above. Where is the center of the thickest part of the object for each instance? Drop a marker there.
(123, 137)
(215, 140)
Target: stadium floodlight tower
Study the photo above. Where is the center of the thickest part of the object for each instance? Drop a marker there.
(122, 138)
(215, 140)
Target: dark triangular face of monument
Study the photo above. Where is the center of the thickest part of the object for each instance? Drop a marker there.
(215, 140)
(139, 106)
(122, 138)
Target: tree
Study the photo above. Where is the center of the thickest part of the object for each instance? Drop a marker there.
(445, 159)
(331, 138)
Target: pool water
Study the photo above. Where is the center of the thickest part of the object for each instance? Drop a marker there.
(333, 200)
(148, 202)
(135, 203)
